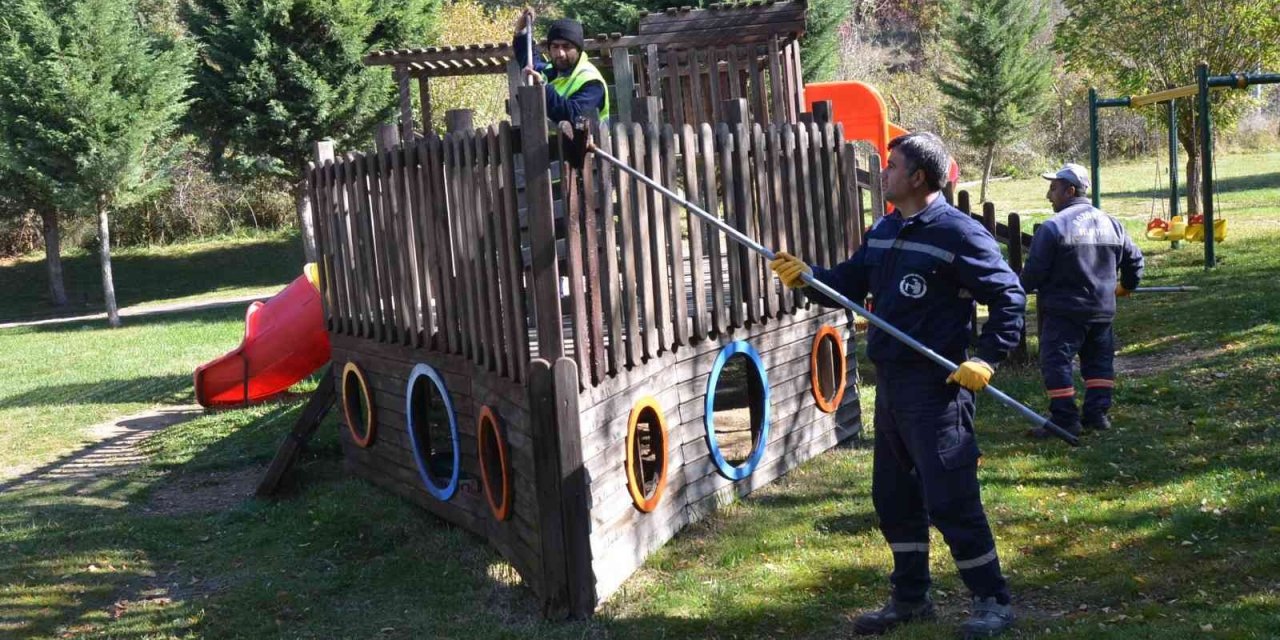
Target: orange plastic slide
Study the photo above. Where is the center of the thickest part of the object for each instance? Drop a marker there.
(861, 109)
(284, 341)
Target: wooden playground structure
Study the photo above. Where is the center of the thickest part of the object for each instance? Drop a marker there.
(533, 351)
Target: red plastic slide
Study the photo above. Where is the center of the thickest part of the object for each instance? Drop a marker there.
(284, 341)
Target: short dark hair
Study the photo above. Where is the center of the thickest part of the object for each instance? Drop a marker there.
(926, 152)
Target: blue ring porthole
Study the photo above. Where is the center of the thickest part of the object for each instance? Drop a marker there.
(424, 465)
(748, 466)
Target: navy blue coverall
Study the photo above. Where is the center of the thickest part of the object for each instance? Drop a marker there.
(925, 273)
(1072, 265)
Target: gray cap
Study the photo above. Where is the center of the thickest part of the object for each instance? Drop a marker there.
(1073, 173)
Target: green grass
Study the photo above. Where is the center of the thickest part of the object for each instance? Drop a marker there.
(1163, 527)
(1247, 185)
(188, 272)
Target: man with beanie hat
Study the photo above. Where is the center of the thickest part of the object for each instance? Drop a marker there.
(1073, 262)
(573, 85)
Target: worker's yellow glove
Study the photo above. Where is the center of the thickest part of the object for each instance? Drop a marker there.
(1122, 292)
(973, 374)
(790, 270)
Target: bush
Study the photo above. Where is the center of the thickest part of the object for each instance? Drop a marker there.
(469, 22)
(194, 204)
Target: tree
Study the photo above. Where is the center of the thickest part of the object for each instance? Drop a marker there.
(998, 79)
(86, 93)
(276, 75)
(1144, 46)
(19, 195)
(820, 47)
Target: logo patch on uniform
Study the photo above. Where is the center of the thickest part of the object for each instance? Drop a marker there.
(912, 286)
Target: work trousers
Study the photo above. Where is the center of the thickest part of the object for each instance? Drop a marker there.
(926, 471)
(1061, 340)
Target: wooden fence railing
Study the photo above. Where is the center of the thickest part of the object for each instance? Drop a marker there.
(421, 242)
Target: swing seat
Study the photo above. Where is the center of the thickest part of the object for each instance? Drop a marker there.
(1195, 229)
(1177, 229)
(1157, 229)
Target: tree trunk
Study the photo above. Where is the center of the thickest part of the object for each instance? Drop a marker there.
(1193, 184)
(988, 157)
(53, 256)
(305, 221)
(104, 258)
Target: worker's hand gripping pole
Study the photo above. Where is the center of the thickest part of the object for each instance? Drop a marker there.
(582, 140)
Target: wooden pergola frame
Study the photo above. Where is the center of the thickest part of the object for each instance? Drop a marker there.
(769, 29)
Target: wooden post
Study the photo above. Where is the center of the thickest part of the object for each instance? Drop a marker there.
(544, 433)
(318, 405)
(1015, 263)
(424, 97)
(822, 112)
(457, 120)
(515, 80)
(624, 83)
(647, 111)
(406, 103)
(574, 494)
(322, 151)
(877, 189)
(962, 202)
(542, 233)
(742, 215)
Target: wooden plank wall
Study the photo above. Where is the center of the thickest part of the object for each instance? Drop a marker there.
(389, 460)
(420, 245)
(621, 536)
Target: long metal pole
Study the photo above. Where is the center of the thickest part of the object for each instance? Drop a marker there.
(1093, 148)
(1206, 164)
(746, 241)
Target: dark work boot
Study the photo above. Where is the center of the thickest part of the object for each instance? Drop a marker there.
(987, 618)
(893, 614)
(1100, 423)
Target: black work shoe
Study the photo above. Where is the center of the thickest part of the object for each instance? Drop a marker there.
(1101, 423)
(893, 614)
(987, 618)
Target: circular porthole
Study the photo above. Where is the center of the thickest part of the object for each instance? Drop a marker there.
(493, 464)
(827, 369)
(433, 431)
(736, 410)
(357, 405)
(646, 454)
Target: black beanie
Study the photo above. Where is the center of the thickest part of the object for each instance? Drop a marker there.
(567, 30)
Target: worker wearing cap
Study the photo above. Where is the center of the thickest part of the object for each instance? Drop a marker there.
(926, 264)
(1073, 262)
(573, 85)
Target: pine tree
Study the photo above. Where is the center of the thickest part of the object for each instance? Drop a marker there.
(999, 76)
(276, 75)
(86, 94)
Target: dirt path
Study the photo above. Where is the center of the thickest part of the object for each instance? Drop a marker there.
(144, 310)
(112, 452)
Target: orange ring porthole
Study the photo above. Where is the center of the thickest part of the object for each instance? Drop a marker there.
(357, 401)
(493, 464)
(646, 454)
(829, 366)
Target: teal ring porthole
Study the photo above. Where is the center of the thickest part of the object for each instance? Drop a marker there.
(761, 408)
(429, 480)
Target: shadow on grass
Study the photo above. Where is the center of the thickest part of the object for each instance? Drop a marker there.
(140, 277)
(1234, 184)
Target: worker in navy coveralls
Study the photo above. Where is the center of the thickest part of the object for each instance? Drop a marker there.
(1072, 265)
(926, 264)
